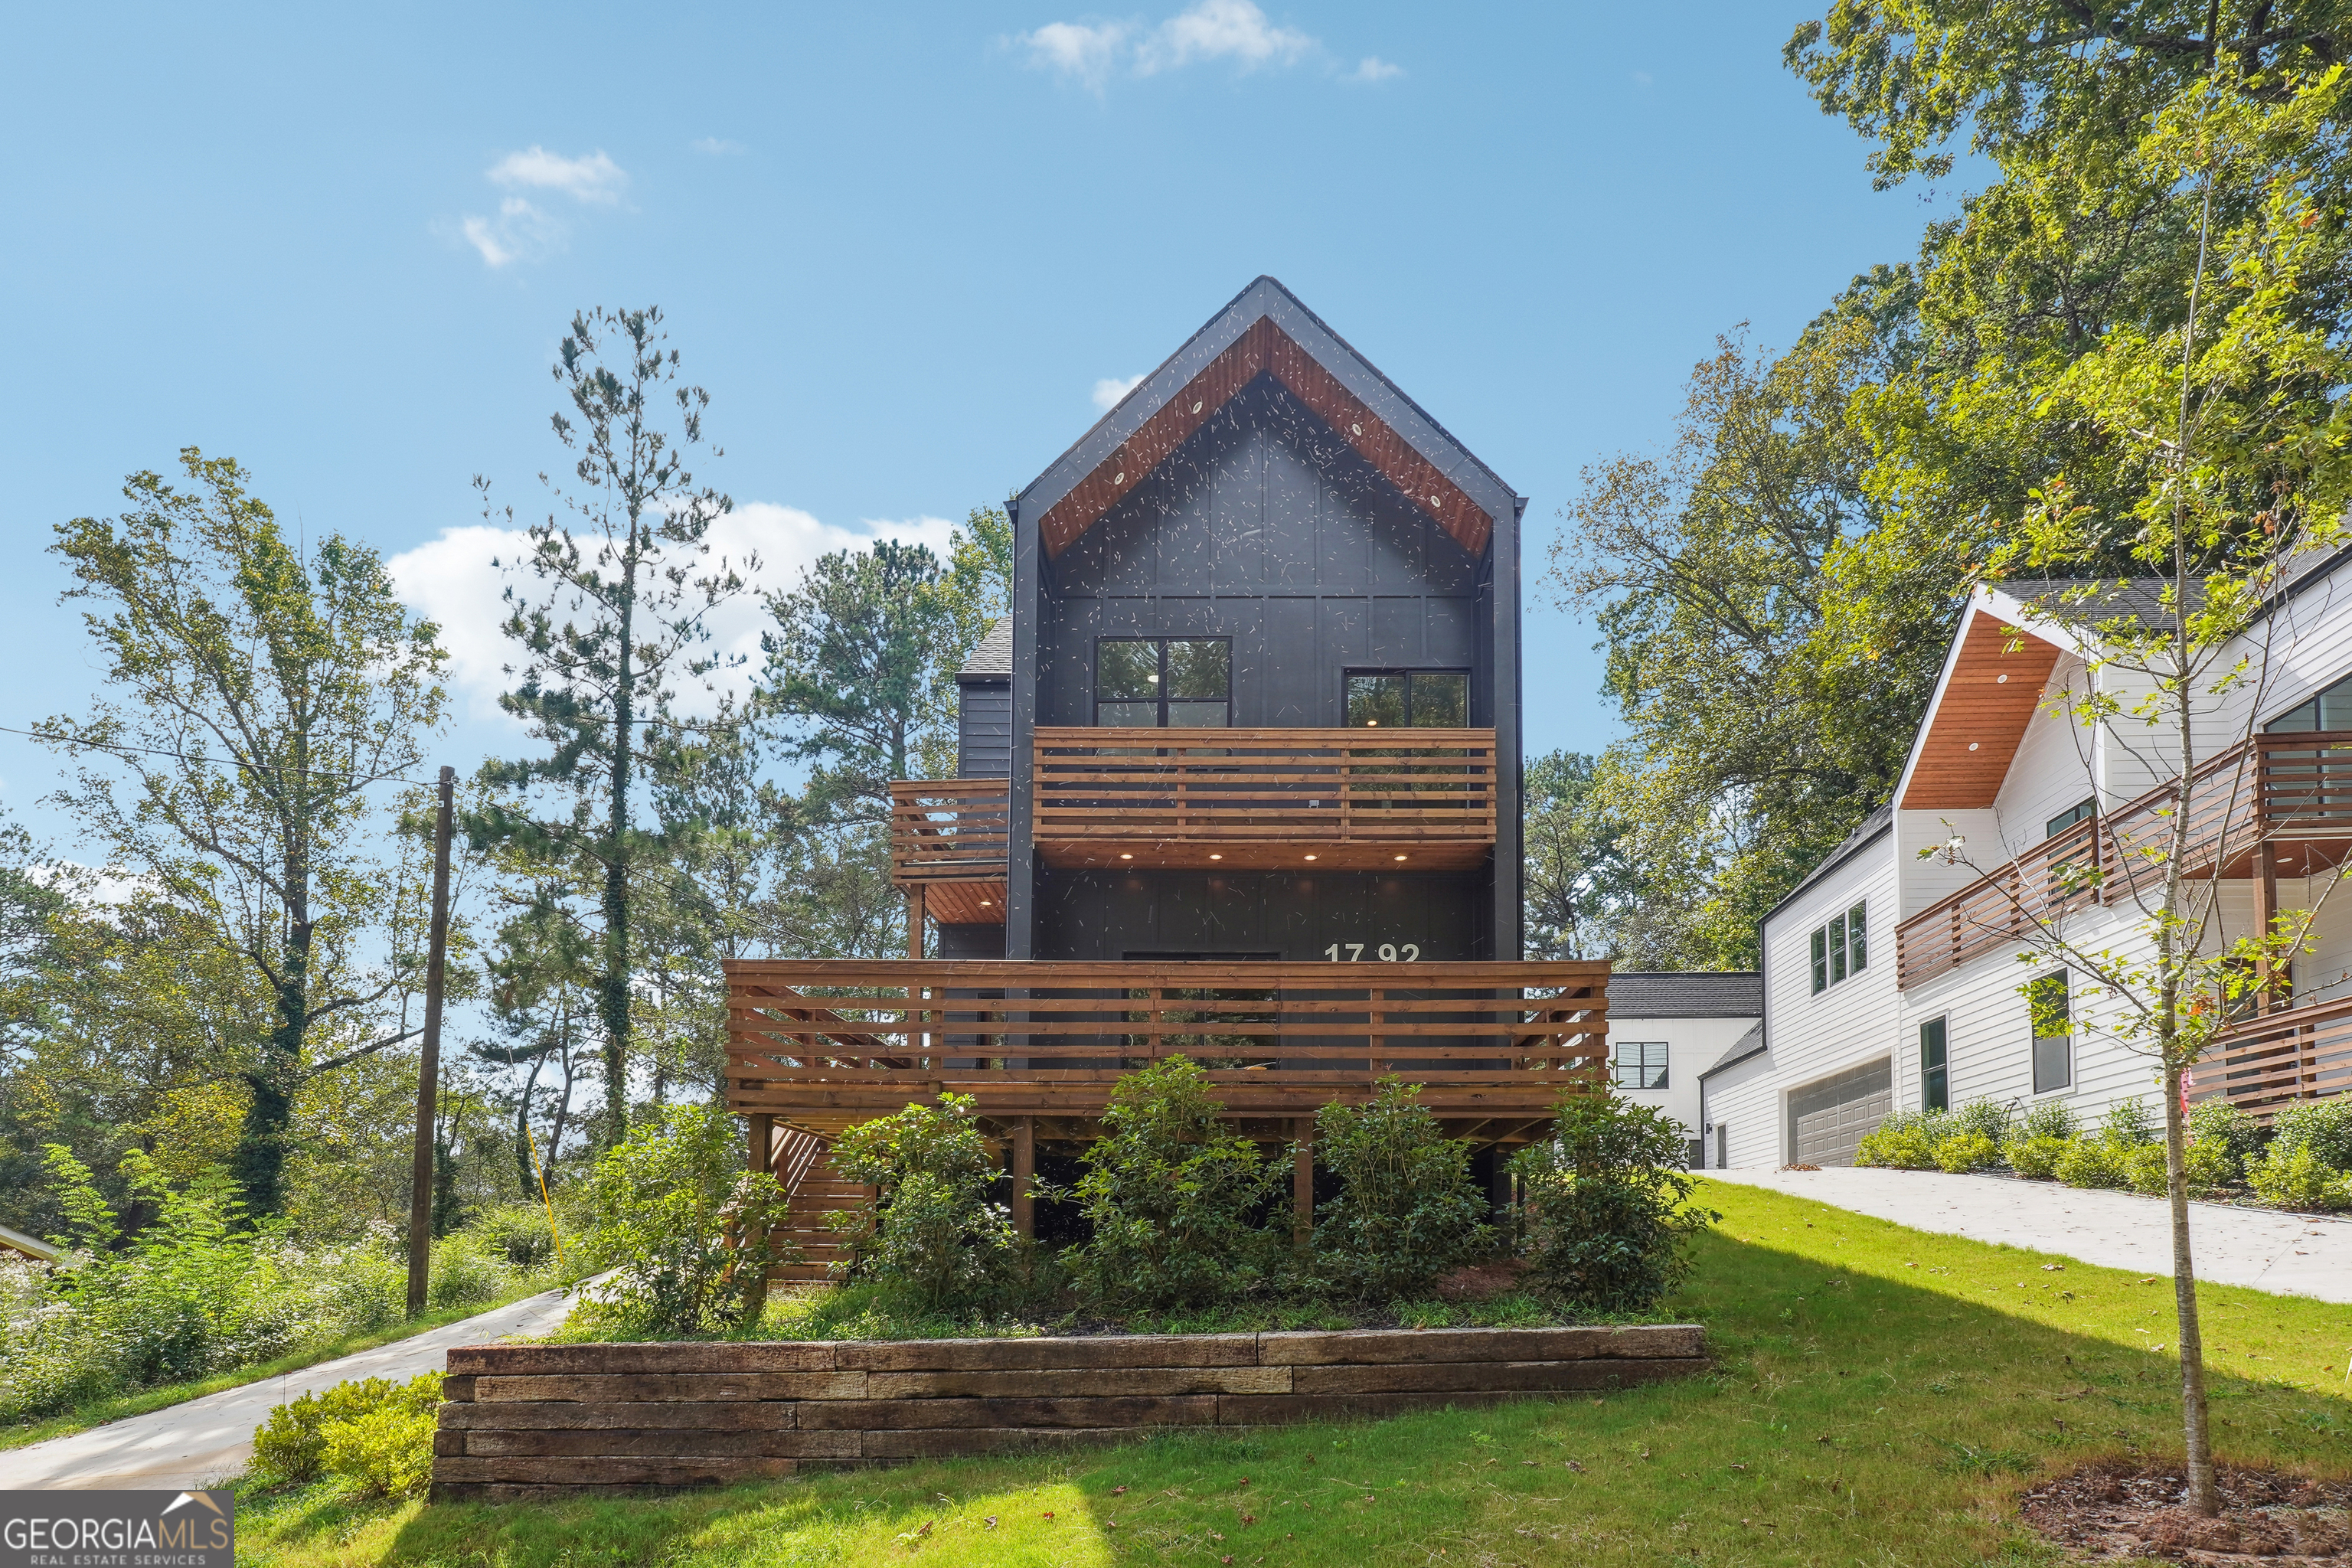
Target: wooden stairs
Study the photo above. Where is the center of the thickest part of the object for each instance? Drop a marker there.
(804, 1167)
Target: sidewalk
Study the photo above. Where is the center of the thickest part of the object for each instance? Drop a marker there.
(208, 1439)
(2291, 1255)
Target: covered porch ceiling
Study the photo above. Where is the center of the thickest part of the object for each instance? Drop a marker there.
(1979, 717)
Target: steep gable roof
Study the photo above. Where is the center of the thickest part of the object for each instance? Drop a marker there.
(1267, 330)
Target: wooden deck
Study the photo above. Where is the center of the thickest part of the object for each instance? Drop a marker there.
(821, 1045)
(2267, 1063)
(1246, 799)
(948, 841)
(2287, 797)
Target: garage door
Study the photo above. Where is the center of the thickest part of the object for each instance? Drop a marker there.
(1827, 1119)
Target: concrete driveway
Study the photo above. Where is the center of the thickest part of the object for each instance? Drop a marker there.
(209, 1439)
(2292, 1255)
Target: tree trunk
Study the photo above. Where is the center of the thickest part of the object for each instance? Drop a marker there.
(522, 1128)
(612, 987)
(2204, 1496)
(258, 1165)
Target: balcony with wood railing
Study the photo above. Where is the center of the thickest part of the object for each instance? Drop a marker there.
(2287, 797)
(947, 843)
(2268, 1061)
(1260, 799)
(823, 1044)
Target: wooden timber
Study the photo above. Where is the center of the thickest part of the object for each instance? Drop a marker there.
(1261, 798)
(2267, 1062)
(820, 1045)
(522, 1422)
(947, 843)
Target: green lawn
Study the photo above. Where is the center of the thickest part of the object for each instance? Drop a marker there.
(1881, 1394)
(114, 1408)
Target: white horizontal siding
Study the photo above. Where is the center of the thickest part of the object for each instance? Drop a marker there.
(1693, 1046)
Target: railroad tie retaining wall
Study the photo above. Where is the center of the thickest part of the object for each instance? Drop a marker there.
(522, 1421)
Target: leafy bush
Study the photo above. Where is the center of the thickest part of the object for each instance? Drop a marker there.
(669, 1206)
(1605, 1209)
(1959, 1153)
(2212, 1167)
(522, 1233)
(2129, 1124)
(2035, 1156)
(1990, 1120)
(1904, 1141)
(468, 1269)
(934, 1238)
(2047, 1119)
(2295, 1177)
(2092, 1162)
(1173, 1196)
(2143, 1169)
(1406, 1211)
(374, 1434)
(2322, 1126)
(2230, 1133)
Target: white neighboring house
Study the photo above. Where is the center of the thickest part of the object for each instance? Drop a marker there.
(1892, 978)
(1664, 1026)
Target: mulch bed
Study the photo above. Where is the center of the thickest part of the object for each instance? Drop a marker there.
(2123, 1509)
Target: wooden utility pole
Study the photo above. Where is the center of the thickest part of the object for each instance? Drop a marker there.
(428, 1066)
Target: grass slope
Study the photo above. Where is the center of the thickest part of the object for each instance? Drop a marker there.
(1881, 1394)
(116, 1406)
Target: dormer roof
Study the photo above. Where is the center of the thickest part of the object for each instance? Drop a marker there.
(1266, 330)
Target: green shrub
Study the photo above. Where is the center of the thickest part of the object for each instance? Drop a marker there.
(2047, 1119)
(1174, 1196)
(1605, 1212)
(933, 1238)
(2322, 1126)
(1406, 1211)
(2231, 1135)
(467, 1270)
(521, 1233)
(1992, 1120)
(297, 1443)
(2211, 1166)
(691, 1235)
(2036, 1155)
(2143, 1169)
(388, 1452)
(2129, 1124)
(1959, 1153)
(2091, 1161)
(1904, 1141)
(2295, 1177)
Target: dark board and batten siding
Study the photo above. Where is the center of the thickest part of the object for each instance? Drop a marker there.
(983, 728)
(522, 1422)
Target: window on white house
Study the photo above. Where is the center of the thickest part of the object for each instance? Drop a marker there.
(2070, 816)
(2051, 1009)
(2331, 709)
(1641, 1064)
(1842, 947)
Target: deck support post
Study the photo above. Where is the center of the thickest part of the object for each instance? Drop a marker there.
(1024, 1173)
(762, 1145)
(2265, 911)
(1302, 1185)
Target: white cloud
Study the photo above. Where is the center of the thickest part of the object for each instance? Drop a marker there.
(1083, 51)
(1232, 31)
(719, 147)
(452, 580)
(1374, 68)
(1112, 388)
(520, 233)
(594, 178)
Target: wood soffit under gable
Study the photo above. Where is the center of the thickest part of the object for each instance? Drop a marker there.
(1266, 349)
(1995, 685)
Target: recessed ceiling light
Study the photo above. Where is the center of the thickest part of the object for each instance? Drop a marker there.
(1355, 429)
(2000, 680)
(1972, 746)
(1371, 723)
(1127, 857)
(1216, 857)
(1311, 857)
(1400, 856)
(989, 903)
(1196, 408)
(1120, 477)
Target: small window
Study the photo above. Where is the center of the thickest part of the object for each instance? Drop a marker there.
(2049, 1005)
(1408, 699)
(1934, 1078)
(1182, 683)
(1641, 1065)
(2331, 709)
(2070, 816)
(1842, 947)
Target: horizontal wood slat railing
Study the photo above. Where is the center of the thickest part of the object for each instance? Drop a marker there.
(1340, 786)
(2268, 1062)
(2287, 787)
(825, 1042)
(944, 830)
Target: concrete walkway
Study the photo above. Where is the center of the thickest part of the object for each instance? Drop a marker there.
(209, 1439)
(2291, 1255)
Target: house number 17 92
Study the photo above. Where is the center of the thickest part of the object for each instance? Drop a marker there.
(1389, 951)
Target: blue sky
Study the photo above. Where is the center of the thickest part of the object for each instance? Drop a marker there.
(901, 245)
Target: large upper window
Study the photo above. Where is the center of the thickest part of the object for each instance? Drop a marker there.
(2070, 816)
(2331, 709)
(1842, 947)
(1177, 683)
(1641, 1064)
(1408, 699)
